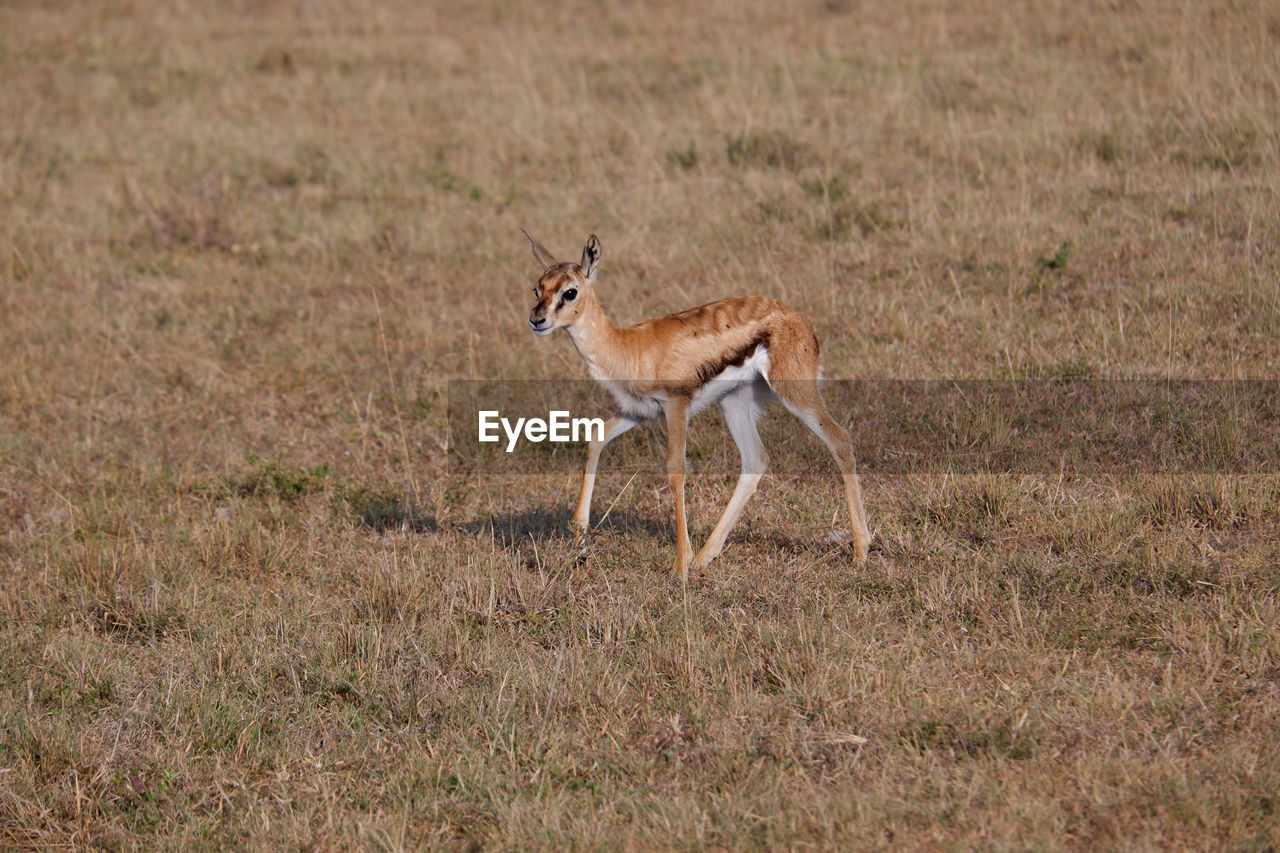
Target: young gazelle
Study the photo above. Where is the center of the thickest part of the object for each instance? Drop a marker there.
(739, 353)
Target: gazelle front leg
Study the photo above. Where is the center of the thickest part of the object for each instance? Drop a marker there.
(613, 428)
(677, 412)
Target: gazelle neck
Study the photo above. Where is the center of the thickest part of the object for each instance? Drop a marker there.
(593, 336)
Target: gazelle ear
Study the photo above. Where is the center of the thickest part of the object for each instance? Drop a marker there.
(540, 252)
(591, 258)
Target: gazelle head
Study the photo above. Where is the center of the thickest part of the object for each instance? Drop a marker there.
(564, 289)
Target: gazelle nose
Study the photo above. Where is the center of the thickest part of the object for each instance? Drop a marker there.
(539, 323)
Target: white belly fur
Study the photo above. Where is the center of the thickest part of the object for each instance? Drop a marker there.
(645, 408)
(649, 406)
(731, 378)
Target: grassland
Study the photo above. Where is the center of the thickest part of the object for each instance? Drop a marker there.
(245, 246)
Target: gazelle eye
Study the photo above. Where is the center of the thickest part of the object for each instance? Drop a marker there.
(571, 294)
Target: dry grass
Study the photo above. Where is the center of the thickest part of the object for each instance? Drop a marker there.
(243, 247)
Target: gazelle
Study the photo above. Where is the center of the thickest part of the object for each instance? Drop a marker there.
(739, 353)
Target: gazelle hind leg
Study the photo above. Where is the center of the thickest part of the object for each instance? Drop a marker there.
(741, 410)
(613, 428)
(803, 399)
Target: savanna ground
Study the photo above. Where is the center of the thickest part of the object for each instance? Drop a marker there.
(246, 601)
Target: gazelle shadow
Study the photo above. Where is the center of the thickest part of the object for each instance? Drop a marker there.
(511, 529)
(383, 513)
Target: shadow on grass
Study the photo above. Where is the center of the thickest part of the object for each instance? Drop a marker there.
(511, 529)
(382, 513)
(822, 543)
